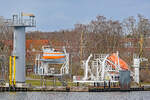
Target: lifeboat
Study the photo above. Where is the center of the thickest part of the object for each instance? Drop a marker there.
(114, 59)
(51, 53)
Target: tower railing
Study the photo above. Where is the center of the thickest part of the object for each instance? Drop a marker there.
(20, 20)
(23, 22)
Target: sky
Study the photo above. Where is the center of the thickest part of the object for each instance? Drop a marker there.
(55, 15)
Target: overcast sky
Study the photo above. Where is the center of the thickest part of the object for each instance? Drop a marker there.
(54, 15)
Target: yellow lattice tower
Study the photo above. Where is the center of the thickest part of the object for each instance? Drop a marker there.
(141, 45)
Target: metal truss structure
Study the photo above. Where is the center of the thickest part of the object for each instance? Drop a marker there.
(98, 68)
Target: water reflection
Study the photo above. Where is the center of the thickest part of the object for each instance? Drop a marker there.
(13, 96)
(143, 95)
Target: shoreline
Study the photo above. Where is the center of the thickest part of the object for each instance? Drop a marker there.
(71, 89)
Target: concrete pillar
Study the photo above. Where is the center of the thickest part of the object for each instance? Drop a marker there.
(19, 51)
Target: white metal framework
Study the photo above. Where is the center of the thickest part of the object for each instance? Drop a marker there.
(43, 66)
(98, 68)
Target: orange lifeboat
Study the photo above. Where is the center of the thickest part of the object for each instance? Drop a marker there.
(114, 58)
(51, 53)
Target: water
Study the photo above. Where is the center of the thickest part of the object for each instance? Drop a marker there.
(142, 95)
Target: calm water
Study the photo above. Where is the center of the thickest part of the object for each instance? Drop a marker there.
(75, 96)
